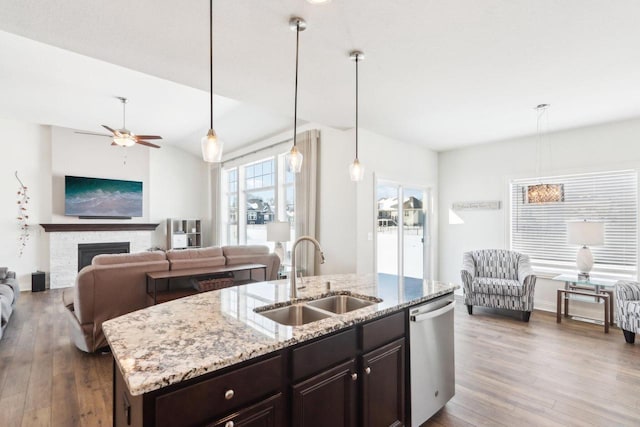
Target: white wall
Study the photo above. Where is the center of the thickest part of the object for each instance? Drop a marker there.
(94, 156)
(176, 184)
(25, 148)
(392, 160)
(483, 172)
(179, 188)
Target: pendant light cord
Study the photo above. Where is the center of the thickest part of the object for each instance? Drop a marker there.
(357, 58)
(295, 102)
(124, 113)
(211, 60)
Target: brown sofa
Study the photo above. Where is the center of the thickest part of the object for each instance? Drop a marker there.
(111, 286)
(253, 254)
(115, 284)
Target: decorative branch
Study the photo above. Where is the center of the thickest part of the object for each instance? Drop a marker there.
(23, 216)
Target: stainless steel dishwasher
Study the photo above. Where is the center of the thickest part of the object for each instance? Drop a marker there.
(432, 357)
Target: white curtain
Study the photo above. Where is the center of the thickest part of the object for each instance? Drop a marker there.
(216, 176)
(306, 198)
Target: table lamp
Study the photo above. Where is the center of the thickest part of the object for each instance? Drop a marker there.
(279, 232)
(585, 233)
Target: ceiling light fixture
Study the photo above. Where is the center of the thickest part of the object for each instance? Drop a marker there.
(318, 1)
(211, 145)
(356, 170)
(294, 158)
(123, 137)
(543, 193)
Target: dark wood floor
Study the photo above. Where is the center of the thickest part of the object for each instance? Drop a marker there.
(507, 372)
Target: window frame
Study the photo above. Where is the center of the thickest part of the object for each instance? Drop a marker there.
(279, 188)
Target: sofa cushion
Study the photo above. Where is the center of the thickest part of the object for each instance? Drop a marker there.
(3, 272)
(496, 263)
(232, 251)
(110, 259)
(195, 258)
(488, 285)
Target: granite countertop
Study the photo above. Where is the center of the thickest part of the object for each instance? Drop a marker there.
(182, 339)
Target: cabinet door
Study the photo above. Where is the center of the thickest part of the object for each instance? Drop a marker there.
(383, 385)
(268, 413)
(326, 399)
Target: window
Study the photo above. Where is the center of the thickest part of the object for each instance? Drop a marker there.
(257, 193)
(540, 230)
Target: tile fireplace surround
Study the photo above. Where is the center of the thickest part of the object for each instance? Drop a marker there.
(63, 249)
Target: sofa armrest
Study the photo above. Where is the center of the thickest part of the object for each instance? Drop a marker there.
(627, 290)
(468, 271)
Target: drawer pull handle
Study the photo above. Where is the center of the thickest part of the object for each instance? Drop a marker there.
(367, 370)
(229, 394)
(354, 376)
(229, 424)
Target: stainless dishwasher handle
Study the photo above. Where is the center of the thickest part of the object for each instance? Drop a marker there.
(432, 314)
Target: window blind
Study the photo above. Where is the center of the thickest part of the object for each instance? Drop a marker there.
(540, 230)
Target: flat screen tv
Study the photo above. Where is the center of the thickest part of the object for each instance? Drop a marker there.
(102, 198)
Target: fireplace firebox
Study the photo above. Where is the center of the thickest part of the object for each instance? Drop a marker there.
(86, 251)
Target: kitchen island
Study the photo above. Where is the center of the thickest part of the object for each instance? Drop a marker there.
(209, 359)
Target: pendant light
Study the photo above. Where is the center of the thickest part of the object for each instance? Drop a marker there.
(543, 193)
(294, 158)
(211, 145)
(356, 170)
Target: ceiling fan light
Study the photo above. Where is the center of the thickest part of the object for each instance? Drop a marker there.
(211, 147)
(356, 170)
(124, 140)
(294, 160)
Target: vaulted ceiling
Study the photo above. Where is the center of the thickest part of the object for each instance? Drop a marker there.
(441, 73)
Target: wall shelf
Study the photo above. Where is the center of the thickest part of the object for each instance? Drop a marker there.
(184, 233)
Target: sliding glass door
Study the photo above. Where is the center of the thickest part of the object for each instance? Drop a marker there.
(402, 237)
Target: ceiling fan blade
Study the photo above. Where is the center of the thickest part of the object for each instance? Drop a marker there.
(93, 133)
(148, 137)
(109, 129)
(148, 144)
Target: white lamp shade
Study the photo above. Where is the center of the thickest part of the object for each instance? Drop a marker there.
(587, 233)
(278, 232)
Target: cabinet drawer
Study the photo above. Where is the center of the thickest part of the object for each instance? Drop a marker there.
(197, 403)
(322, 354)
(267, 413)
(382, 331)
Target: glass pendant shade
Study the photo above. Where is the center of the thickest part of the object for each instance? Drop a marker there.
(294, 160)
(211, 147)
(356, 170)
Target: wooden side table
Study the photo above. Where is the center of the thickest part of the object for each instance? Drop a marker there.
(563, 294)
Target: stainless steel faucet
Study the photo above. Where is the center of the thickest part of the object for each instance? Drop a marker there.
(292, 276)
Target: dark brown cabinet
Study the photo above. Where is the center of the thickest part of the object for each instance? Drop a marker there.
(326, 399)
(268, 413)
(383, 386)
(354, 377)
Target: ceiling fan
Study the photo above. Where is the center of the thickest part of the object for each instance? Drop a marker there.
(124, 137)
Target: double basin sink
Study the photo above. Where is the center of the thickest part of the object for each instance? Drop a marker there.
(306, 311)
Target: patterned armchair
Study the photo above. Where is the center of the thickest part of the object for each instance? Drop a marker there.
(628, 307)
(498, 278)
